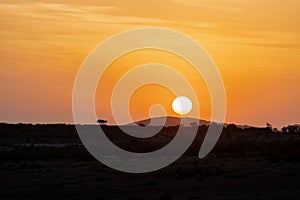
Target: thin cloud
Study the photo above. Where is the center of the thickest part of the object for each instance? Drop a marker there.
(87, 13)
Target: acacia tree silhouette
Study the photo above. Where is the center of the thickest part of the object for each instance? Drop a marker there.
(101, 121)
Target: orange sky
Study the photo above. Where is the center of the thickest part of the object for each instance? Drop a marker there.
(255, 44)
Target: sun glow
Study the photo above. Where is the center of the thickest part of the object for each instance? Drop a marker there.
(182, 105)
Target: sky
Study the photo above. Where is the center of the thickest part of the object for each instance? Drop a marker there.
(254, 43)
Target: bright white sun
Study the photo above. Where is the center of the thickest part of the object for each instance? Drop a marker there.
(182, 105)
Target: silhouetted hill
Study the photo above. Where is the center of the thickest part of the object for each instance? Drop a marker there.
(176, 121)
(172, 121)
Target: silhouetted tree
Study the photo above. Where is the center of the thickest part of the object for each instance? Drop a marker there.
(291, 129)
(142, 125)
(275, 130)
(231, 127)
(284, 129)
(269, 126)
(101, 121)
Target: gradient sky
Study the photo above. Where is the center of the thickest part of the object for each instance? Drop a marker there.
(255, 44)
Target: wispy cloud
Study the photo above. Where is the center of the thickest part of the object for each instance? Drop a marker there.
(98, 14)
(227, 20)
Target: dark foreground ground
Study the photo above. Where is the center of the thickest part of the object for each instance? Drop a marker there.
(49, 162)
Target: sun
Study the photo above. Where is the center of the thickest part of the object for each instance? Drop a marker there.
(182, 105)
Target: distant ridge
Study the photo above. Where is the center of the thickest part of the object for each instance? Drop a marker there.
(176, 121)
(172, 121)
